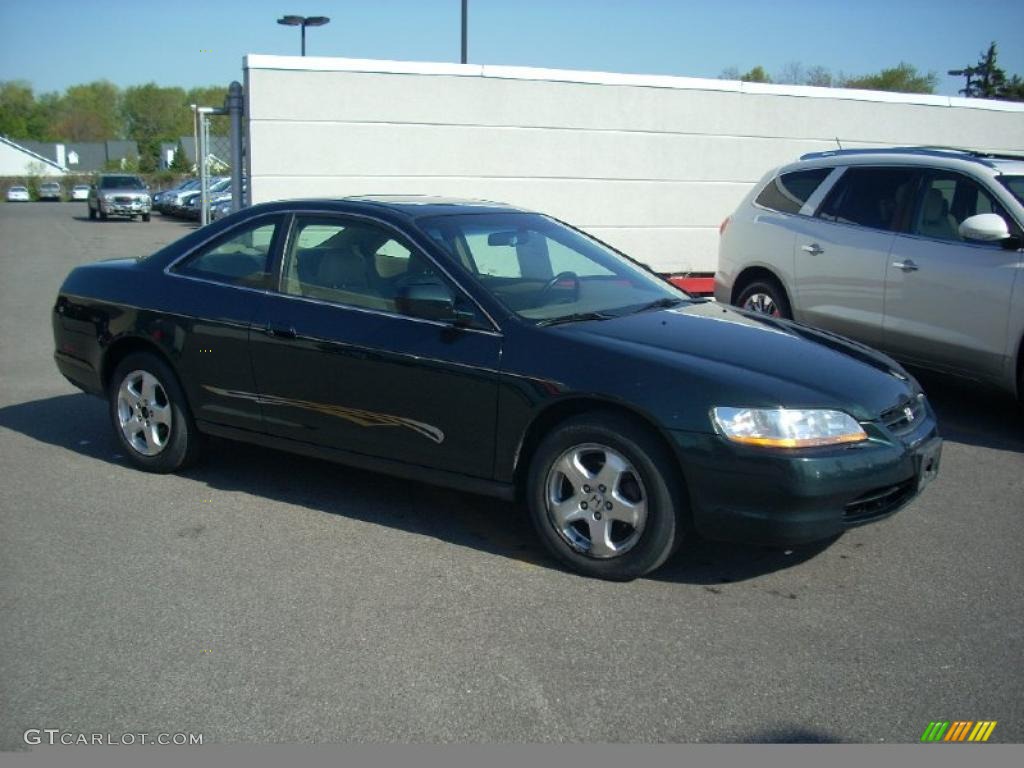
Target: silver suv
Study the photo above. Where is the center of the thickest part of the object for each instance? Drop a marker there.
(917, 251)
(119, 194)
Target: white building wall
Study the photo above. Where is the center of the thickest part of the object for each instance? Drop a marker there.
(15, 161)
(650, 164)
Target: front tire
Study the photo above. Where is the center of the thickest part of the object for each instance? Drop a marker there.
(92, 214)
(145, 217)
(150, 415)
(606, 497)
(765, 297)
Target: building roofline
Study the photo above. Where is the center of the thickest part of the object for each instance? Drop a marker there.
(253, 61)
(36, 155)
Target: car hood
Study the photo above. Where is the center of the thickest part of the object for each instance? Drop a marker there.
(759, 358)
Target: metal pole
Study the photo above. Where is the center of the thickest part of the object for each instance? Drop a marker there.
(204, 178)
(465, 35)
(303, 38)
(235, 104)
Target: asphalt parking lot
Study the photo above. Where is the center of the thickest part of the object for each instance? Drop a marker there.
(262, 597)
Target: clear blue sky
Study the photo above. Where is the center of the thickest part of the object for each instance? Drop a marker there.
(56, 43)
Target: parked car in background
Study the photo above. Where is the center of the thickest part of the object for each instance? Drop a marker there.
(916, 251)
(162, 201)
(80, 192)
(51, 190)
(18, 194)
(502, 352)
(119, 194)
(186, 206)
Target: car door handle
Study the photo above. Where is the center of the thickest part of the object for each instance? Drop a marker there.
(906, 266)
(814, 249)
(280, 333)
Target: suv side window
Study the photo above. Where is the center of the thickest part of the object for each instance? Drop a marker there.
(788, 192)
(242, 257)
(879, 198)
(947, 198)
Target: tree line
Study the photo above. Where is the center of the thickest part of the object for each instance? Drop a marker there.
(984, 80)
(147, 114)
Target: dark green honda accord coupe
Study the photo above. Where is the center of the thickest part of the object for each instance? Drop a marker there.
(501, 352)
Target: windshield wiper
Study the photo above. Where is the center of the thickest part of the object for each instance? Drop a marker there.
(659, 304)
(576, 317)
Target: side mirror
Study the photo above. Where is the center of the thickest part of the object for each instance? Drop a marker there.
(985, 228)
(430, 301)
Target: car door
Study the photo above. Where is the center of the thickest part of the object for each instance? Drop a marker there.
(220, 287)
(841, 253)
(341, 362)
(947, 300)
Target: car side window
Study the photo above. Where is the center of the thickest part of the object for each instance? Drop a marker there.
(353, 263)
(241, 257)
(946, 200)
(879, 198)
(788, 192)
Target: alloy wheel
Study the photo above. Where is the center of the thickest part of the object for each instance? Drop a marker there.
(596, 500)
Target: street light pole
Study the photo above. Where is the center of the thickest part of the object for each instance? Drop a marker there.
(465, 31)
(303, 22)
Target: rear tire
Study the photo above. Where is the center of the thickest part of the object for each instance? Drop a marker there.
(606, 497)
(150, 415)
(765, 297)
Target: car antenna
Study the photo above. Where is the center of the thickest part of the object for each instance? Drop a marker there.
(840, 145)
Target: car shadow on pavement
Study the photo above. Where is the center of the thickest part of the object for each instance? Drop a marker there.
(973, 414)
(79, 423)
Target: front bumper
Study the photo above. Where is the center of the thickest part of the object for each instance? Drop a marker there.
(125, 209)
(777, 497)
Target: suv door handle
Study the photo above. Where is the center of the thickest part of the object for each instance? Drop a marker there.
(280, 333)
(814, 249)
(906, 266)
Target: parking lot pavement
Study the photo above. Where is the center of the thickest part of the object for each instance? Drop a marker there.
(267, 597)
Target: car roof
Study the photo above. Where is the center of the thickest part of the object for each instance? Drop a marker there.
(407, 206)
(993, 163)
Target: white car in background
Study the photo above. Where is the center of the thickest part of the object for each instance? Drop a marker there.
(17, 194)
(80, 192)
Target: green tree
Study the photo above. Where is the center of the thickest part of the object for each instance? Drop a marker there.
(180, 163)
(903, 78)
(987, 80)
(17, 105)
(756, 75)
(90, 112)
(212, 96)
(154, 114)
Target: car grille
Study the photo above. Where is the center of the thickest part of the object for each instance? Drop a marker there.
(879, 502)
(124, 199)
(904, 417)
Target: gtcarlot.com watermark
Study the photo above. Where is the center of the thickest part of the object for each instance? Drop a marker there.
(36, 736)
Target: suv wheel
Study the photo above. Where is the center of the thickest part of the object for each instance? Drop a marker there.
(765, 297)
(606, 497)
(92, 213)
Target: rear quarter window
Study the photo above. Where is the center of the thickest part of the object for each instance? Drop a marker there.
(788, 192)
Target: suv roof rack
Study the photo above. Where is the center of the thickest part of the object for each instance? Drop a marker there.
(977, 155)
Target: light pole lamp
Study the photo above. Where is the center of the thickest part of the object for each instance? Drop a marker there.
(303, 21)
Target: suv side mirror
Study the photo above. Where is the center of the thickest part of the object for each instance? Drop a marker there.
(985, 228)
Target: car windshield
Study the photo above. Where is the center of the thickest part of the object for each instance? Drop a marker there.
(544, 270)
(121, 182)
(1016, 186)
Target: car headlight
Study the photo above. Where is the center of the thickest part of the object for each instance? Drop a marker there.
(787, 427)
(109, 198)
